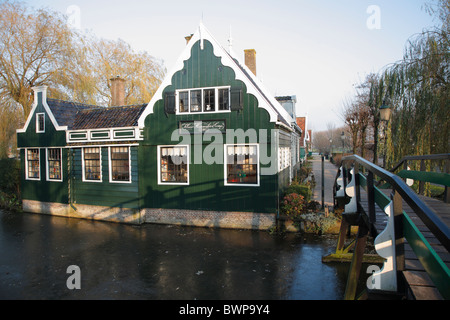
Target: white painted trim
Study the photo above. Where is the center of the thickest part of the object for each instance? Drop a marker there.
(37, 122)
(47, 166)
(36, 90)
(227, 60)
(225, 164)
(111, 134)
(158, 160)
(216, 100)
(110, 165)
(83, 166)
(26, 165)
(92, 145)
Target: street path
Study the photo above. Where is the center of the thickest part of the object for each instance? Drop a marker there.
(330, 171)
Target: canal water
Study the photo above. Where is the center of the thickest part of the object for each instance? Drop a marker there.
(118, 261)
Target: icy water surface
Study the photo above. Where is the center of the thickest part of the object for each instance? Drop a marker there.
(119, 261)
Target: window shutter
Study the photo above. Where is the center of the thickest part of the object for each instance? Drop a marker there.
(236, 99)
(169, 102)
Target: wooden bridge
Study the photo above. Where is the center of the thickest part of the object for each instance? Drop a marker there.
(411, 232)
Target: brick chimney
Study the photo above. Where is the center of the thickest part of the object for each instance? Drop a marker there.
(117, 91)
(250, 59)
(188, 38)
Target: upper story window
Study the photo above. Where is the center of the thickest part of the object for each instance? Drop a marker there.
(40, 122)
(203, 100)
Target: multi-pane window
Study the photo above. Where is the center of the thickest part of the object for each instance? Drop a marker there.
(92, 164)
(173, 164)
(209, 100)
(224, 95)
(33, 170)
(184, 101)
(54, 164)
(120, 164)
(196, 100)
(241, 167)
(40, 122)
(204, 100)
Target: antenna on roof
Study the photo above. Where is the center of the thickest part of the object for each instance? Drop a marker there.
(230, 42)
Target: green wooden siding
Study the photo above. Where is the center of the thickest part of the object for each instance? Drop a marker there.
(206, 189)
(105, 193)
(43, 190)
(50, 138)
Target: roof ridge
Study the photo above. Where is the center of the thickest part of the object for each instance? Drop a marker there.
(74, 103)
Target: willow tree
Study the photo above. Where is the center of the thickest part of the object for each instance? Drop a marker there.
(417, 88)
(33, 47)
(421, 94)
(38, 48)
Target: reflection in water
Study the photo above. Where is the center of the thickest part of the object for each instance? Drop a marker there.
(160, 262)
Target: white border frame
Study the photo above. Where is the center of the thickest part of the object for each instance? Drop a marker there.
(26, 165)
(216, 100)
(37, 122)
(225, 164)
(188, 154)
(82, 166)
(110, 163)
(47, 178)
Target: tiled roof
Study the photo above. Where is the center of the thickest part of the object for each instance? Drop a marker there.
(82, 116)
(111, 117)
(65, 111)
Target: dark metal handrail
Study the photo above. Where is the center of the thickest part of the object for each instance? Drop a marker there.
(440, 230)
(441, 156)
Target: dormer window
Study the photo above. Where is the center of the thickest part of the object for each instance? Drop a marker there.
(40, 122)
(203, 100)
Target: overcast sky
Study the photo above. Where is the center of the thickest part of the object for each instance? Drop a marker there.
(317, 50)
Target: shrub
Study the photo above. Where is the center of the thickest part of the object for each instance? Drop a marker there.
(293, 204)
(10, 184)
(301, 189)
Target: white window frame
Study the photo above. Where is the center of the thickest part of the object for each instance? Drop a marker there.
(83, 165)
(37, 122)
(110, 165)
(216, 100)
(159, 165)
(26, 164)
(225, 166)
(47, 167)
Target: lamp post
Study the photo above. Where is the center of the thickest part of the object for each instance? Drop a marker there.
(343, 140)
(385, 112)
(385, 115)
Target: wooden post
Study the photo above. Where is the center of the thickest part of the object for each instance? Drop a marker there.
(342, 236)
(355, 266)
(422, 183)
(399, 239)
(323, 183)
(447, 189)
(371, 197)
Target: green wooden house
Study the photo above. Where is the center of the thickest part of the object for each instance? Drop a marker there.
(212, 148)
